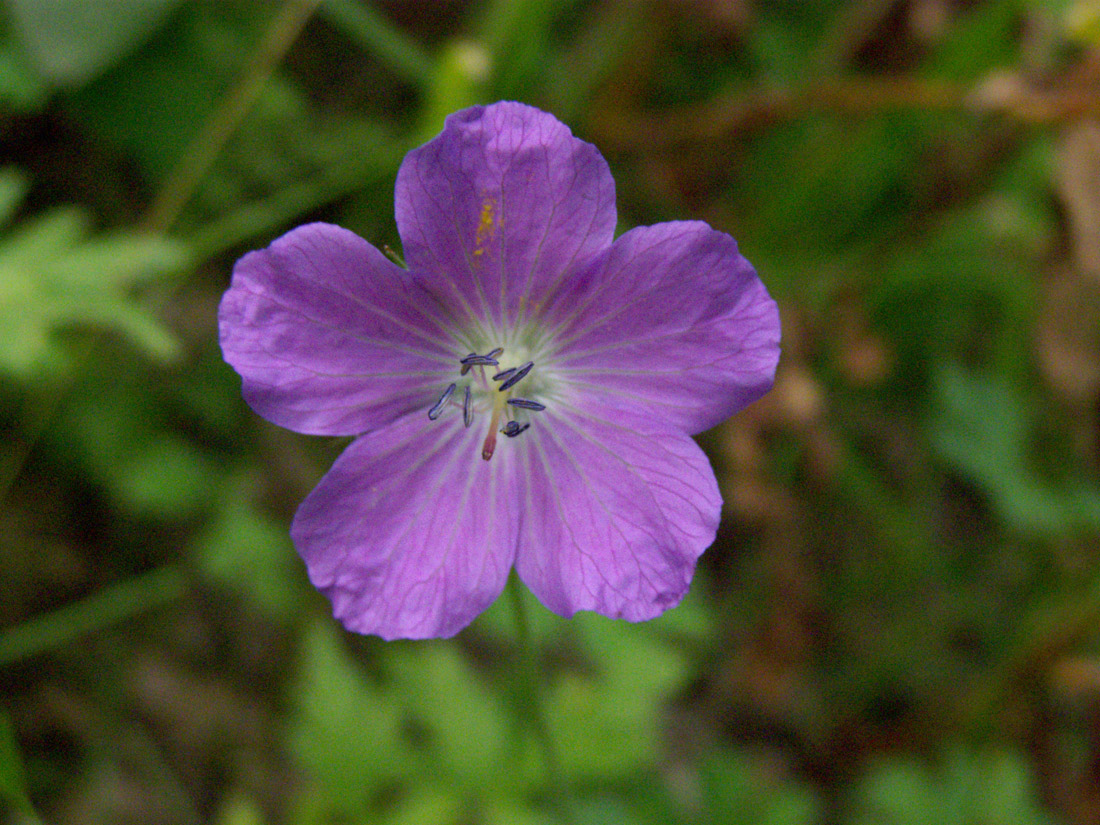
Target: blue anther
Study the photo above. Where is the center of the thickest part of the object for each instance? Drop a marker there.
(479, 361)
(523, 403)
(437, 410)
(516, 377)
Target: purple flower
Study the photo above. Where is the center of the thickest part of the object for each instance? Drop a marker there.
(523, 395)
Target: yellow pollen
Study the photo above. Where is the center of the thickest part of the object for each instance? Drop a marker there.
(485, 226)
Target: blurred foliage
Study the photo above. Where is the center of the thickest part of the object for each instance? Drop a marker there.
(990, 788)
(71, 41)
(13, 783)
(900, 620)
(54, 276)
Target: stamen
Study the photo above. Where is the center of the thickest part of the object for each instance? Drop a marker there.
(500, 376)
(514, 428)
(465, 366)
(523, 403)
(437, 410)
(479, 361)
(467, 413)
(517, 377)
(499, 351)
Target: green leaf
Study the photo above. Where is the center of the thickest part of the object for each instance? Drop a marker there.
(71, 41)
(982, 428)
(345, 729)
(605, 715)
(741, 789)
(608, 33)
(465, 725)
(976, 297)
(606, 811)
(833, 183)
(116, 427)
(424, 806)
(356, 158)
(983, 423)
(93, 614)
(500, 811)
(54, 277)
(239, 809)
(21, 88)
(251, 553)
(459, 80)
(981, 39)
(518, 35)
(44, 237)
(154, 103)
(606, 718)
(962, 788)
(166, 477)
(120, 260)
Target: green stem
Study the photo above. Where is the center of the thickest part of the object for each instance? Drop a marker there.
(37, 412)
(534, 709)
(381, 38)
(220, 126)
(259, 217)
(109, 606)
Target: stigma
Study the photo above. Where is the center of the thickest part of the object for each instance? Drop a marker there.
(489, 392)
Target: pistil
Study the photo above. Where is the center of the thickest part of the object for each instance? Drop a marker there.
(491, 437)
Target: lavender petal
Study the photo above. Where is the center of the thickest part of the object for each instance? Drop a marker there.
(392, 537)
(327, 335)
(506, 202)
(672, 318)
(616, 516)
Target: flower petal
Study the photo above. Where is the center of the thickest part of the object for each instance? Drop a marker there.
(329, 336)
(410, 534)
(672, 320)
(500, 206)
(615, 514)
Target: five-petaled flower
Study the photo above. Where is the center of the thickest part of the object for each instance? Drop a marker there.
(522, 395)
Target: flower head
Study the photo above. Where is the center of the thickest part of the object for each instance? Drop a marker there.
(523, 395)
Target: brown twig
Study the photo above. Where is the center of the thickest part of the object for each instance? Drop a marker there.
(735, 112)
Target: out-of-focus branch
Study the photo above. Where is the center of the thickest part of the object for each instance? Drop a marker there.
(733, 112)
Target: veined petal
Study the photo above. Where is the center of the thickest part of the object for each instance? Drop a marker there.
(501, 206)
(615, 514)
(329, 336)
(410, 534)
(673, 320)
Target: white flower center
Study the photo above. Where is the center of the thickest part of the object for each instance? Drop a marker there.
(499, 382)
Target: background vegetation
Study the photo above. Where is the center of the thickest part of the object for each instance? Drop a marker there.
(900, 621)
